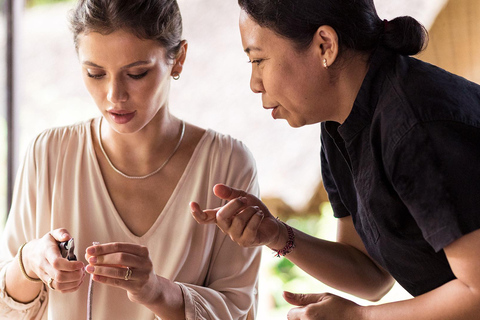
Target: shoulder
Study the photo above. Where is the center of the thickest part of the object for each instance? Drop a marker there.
(57, 141)
(59, 134)
(431, 93)
(224, 146)
(227, 160)
(419, 95)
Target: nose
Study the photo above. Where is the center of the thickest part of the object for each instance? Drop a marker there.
(256, 83)
(117, 91)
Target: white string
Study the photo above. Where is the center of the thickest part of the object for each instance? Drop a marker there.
(90, 292)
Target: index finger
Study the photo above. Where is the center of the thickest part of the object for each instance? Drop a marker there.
(114, 247)
(203, 216)
(60, 234)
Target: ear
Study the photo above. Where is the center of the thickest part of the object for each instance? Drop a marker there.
(326, 40)
(180, 58)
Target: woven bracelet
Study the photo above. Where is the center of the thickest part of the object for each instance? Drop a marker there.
(290, 245)
(22, 267)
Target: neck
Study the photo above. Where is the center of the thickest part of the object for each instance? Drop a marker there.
(351, 74)
(141, 152)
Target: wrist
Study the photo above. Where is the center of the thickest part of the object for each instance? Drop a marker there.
(24, 264)
(285, 241)
(280, 239)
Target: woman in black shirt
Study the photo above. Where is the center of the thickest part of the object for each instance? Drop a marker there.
(400, 160)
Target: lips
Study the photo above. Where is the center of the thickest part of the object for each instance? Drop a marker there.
(274, 111)
(121, 116)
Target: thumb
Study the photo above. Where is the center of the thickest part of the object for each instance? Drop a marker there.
(225, 192)
(60, 235)
(298, 299)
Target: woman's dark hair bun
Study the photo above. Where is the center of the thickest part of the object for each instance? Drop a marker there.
(405, 35)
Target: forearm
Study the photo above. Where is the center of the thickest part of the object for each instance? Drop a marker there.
(16, 284)
(167, 301)
(452, 301)
(340, 266)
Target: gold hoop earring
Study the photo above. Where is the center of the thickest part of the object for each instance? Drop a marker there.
(325, 63)
(176, 76)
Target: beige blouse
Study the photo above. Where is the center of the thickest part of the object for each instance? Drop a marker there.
(60, 185)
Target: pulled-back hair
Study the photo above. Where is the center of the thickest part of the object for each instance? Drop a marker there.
(158, 20)
(355, 21)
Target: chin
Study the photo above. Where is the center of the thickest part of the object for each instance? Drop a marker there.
(295, 124)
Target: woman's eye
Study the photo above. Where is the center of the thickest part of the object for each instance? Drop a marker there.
(256, 61)
(138, 76)
(95, 76)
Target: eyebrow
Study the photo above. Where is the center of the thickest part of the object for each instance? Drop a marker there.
(134, 64)
(249, 49)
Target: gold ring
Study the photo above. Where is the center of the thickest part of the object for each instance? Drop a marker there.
(128, 274)
(50, 282)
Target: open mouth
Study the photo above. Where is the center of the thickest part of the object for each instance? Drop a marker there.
(274, 112)
(121, 117)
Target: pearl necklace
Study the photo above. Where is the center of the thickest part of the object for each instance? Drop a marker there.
(137, 177)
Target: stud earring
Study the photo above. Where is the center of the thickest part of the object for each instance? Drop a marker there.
(325, 63)
(176, 76)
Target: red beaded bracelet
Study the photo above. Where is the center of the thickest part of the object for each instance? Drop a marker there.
(290, 245)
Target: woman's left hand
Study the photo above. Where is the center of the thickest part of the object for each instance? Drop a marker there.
(323, 306)
(124, 265)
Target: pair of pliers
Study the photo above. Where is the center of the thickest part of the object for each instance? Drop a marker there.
(67, 250)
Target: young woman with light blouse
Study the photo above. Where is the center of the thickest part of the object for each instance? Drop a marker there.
(124, 180)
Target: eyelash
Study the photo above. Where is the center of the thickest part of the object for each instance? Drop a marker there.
(138, 76)
(257, 61)
(95, 76)
(133, 76)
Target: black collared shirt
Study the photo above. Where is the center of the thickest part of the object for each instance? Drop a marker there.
(406, 166)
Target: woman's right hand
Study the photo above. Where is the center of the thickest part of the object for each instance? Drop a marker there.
(245, 218)
(42, 259)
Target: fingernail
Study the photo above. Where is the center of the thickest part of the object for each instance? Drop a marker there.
(90, 269)
(287, 294)
(92, 260)
(65, 235)
(90, 250)
(243, 199)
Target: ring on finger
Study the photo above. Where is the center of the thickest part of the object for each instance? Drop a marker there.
(128, 274)
(50, 284)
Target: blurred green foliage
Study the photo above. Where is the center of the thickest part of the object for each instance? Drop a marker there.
(33, 3)
(283, 274)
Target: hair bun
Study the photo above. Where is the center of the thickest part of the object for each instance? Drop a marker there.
(405, 35)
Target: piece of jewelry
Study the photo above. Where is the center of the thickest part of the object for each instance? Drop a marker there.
(128, 274)
(147, 175)
(50, 282)
(176, 76)
(325, 64)
(22, 267)
(290, 245)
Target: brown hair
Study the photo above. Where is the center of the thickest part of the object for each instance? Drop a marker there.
(158, 20)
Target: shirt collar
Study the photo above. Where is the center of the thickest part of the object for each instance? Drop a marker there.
(365, 103)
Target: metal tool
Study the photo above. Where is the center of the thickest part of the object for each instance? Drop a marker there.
(67, 249)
